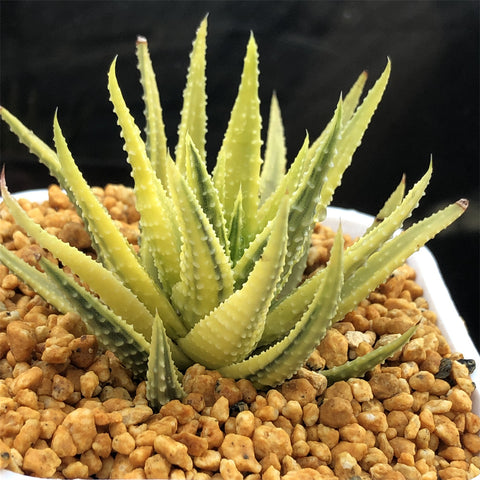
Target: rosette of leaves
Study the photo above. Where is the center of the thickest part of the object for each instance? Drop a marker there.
(217, 279)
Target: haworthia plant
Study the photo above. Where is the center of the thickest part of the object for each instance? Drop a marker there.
(222, 253)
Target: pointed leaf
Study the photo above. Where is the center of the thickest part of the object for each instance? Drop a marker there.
(363, 364)
(158, 223)
(393, 254)
(194, 117)
(390, 205)
(155, 128)
(162, 374)
(350, 103)
(352, 135)
(303, 207)
(289, 184)
(374, 238)
(114, 251)
(35, 145)
(351, 100)
(238, 164)
(275, 162)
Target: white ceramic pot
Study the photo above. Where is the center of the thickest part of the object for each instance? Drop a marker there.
(428, 276)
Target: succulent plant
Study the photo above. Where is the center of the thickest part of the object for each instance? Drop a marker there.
(218, 276)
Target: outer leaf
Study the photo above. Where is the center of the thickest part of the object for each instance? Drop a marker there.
(365, 363)
(351, 100)
(233, 329)
(35, 145)
(36, 279)
(122, 301)
(158, 224)
(112, 331)
(303, 207)
(162, 374)
(238, 164)
(390, 205)
(352, 136)
(206, 275)
(155, 128)
(375, 237)
(194, 117)
(275, 153)
(393, 254)
(49, 158)
(283, 359)
(287, 312)
(115, 252)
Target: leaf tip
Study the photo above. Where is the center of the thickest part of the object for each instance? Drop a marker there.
(463, 203)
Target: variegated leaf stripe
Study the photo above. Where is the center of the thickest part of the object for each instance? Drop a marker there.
(234, 328)
(206, 277)
(162, 375)
(122, 301)
(202, 185)
(236, 238)
(113, 332)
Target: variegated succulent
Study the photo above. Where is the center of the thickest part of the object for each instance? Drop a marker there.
(217, 279)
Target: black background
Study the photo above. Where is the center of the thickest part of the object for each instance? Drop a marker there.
(56, 54)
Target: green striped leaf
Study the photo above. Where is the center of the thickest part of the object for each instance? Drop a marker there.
(162, 375)
(206, 277)
(234, 328)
